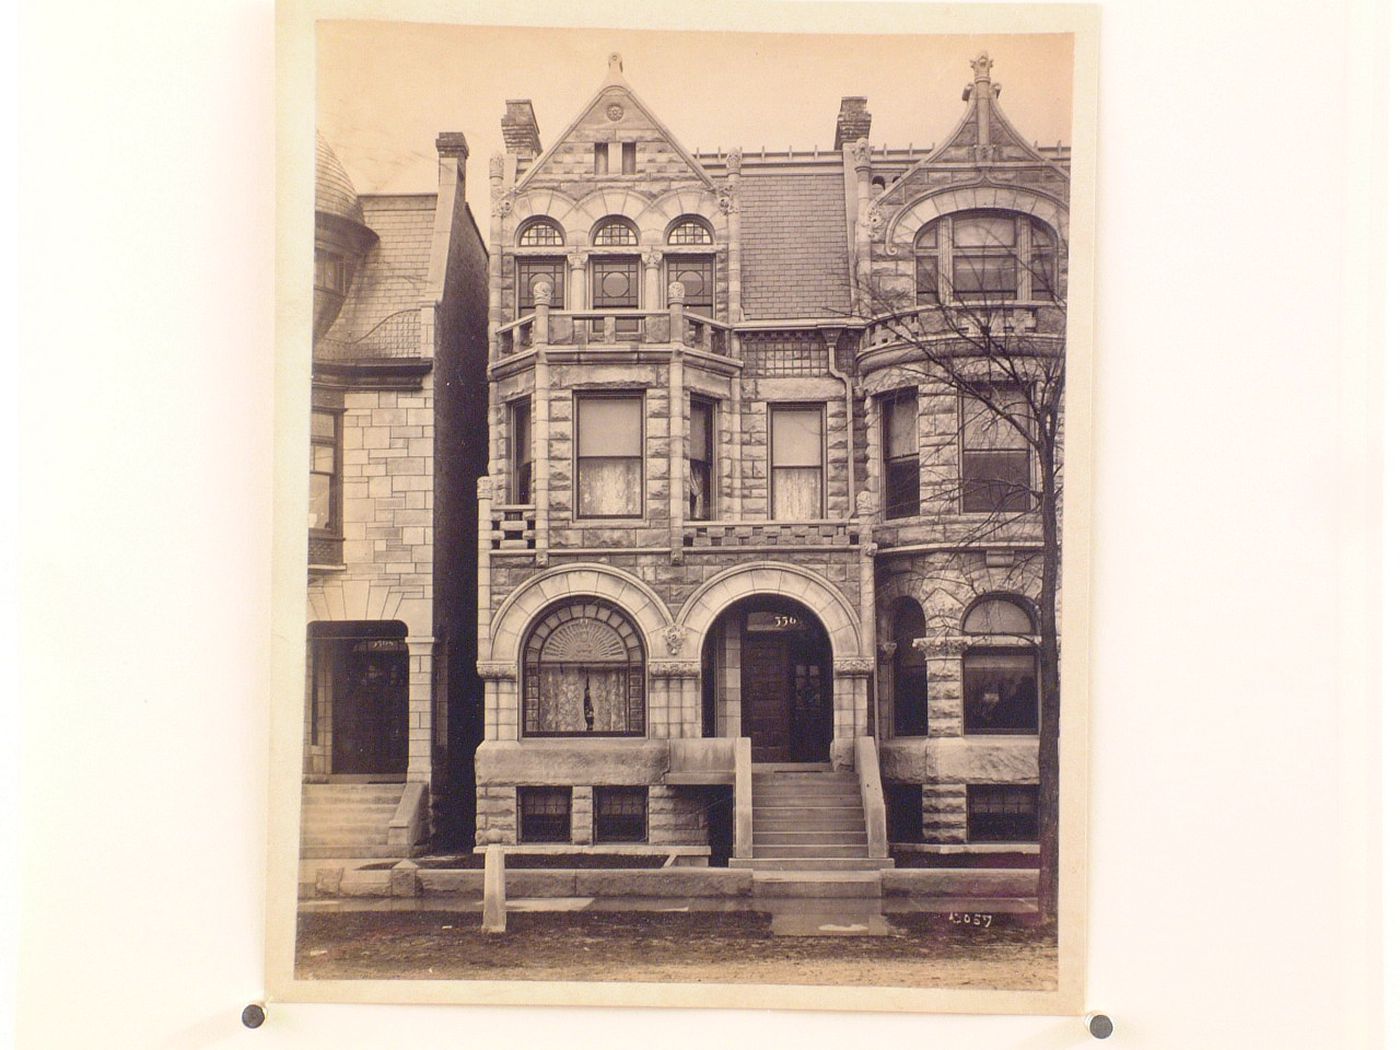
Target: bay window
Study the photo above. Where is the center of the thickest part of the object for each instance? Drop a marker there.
(795, 456)
(608, 467)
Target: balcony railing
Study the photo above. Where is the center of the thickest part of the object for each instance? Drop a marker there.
(513, 527)
(969, 320)
(396, 337)
(614, 327)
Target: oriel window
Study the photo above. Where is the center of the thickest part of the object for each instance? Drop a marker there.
(609, 456)
(795, 456)
(702, 457)
(900, 415)
(522, 444)
(325, 471)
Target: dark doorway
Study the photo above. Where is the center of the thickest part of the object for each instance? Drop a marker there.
(785, 698)
(365, 668)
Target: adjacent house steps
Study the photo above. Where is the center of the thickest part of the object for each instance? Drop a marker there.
(809, 828)
(348, 820)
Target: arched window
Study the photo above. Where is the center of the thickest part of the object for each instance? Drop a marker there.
(926, 265)
(540, 233)
(614, 231)
(690, 229)
(583, 673)
(910, 671)
(985, 255)
(1001, 682)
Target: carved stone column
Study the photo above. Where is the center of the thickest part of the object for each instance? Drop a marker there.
(651, 280)
(578, 281)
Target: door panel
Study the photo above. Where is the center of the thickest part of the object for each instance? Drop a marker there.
(370, 709)
(766, 698)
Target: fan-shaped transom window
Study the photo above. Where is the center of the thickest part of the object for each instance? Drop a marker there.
(583, 673)
(998, 616)
(541, 233)
(614, 231)
(690, 229)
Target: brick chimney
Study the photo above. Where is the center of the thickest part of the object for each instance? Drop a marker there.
(853, 122)
(518, 126)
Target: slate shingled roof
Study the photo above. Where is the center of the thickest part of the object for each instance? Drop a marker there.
(394, 274)
(335, 193)
(793, 240)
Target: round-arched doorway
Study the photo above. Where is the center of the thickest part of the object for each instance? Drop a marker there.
(766, 675)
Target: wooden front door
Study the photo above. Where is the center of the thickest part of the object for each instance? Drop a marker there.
(767, 697)
(370, 708)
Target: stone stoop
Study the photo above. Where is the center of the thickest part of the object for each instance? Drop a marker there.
(349, 820)
(809, 835)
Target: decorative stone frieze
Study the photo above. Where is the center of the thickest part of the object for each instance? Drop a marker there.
(853, 665)
(942, 645)
(496, 670)
(674, 668)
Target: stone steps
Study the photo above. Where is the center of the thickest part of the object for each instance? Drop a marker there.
(348, 820)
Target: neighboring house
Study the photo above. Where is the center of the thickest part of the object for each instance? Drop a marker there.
(398, 384)
(718, 558)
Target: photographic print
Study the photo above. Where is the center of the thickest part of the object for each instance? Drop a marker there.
(697, 508)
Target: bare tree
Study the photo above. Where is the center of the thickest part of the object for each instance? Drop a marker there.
(992, 333)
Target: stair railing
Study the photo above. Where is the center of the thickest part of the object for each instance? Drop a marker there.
(872, 796)
(743, 798)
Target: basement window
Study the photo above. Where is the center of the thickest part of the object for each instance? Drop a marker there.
(620, 814)
(544, 813)
(1002, 812)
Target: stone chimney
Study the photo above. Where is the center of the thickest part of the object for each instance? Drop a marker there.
(452, 154)
(518, 126)
(853, 122)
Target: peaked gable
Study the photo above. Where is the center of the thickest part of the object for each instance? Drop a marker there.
(984, 135)
(615, 115)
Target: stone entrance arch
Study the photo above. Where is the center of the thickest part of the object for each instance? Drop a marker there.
(850, 668)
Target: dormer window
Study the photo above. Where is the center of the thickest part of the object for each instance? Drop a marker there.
(614, 232)
(985, 256)
(541, 233)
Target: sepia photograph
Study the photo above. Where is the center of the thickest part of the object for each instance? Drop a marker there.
(695, 519)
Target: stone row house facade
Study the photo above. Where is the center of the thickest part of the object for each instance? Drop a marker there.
(398, 391)
(732, 522)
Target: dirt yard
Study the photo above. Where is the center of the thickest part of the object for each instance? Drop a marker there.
(925, 951)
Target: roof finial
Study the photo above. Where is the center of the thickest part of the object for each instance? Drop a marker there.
(615, 63)
(981, 67)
